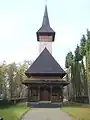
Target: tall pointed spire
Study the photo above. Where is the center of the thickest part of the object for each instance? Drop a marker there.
(45, 29)
(45, 18)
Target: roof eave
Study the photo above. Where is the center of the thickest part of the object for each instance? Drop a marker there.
(28, 74)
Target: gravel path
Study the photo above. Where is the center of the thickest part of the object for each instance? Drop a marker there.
(46, 114)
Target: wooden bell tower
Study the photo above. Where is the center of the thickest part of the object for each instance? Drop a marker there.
(45, 35)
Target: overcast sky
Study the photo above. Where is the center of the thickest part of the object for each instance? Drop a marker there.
(20, 19)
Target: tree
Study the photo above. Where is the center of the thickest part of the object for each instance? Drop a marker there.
(80, 72)
(83, 71)
(68, 65)
(78, 80)
(11, 78)
(3, 82)
(83, 46)
(20, 77)
(78, 56)
(69, 60)
(88, 56)
(12, 68)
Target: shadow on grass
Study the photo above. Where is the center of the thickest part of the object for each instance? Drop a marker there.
(73, 104)
(12, 112)
(11, 106)
(4, 106)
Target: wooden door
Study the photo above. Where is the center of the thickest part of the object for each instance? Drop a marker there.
(44, 95)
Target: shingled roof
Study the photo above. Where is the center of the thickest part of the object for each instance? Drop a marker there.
(45, 24)
(45, 64)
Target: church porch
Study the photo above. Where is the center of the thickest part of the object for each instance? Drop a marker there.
(51, 91)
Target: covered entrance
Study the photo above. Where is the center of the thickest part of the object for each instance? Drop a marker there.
(42, 90)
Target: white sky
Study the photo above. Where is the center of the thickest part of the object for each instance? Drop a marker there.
(20, 19)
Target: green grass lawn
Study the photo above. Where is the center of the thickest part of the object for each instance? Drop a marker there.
(13, 112)
(78, 111)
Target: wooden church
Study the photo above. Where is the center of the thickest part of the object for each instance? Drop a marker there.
(45, 76)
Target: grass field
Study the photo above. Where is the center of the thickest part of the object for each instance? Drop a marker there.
(78, 111)
(13, 112)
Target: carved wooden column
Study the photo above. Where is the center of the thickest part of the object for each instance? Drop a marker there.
(51, 93)
(62, 94)
(28, 95)
(39, 93)
(31, 94)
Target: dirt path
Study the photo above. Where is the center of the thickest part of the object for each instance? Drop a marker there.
(46, 114)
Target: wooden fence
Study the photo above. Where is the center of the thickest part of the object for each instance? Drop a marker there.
(13, 101)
